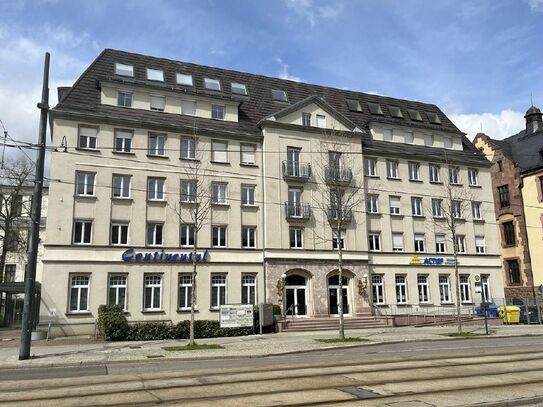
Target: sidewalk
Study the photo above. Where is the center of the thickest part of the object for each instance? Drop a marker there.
(80, 351)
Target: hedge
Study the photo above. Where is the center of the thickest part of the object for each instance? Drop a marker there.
(112, 323)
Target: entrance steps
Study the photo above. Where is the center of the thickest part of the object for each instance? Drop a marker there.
(328, 324)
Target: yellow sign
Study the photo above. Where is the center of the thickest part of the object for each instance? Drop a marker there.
(416, 260)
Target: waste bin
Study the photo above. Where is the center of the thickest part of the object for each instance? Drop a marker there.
(491, 308)
(510, 314)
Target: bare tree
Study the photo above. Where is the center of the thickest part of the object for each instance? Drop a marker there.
(15, 179)
(193, 209)
(339, 198)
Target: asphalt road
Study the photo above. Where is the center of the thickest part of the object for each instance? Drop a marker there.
(500, 371)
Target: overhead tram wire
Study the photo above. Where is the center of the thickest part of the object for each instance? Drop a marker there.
(6, 134)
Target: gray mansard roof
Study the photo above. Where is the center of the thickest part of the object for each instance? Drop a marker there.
(525, 150)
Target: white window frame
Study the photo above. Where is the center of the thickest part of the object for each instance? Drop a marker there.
(395, 204)
(414, 171)
(397, 242)
(218, 112)
(188, 191)
(249, 234)
(221, 232)
(476, 210)
(186, 233)
(152, 283)
(401, 289)
(437, 208)
(441, 244)
(298, 238)
(409, 137)
(248, 285)
(454, 175)
(154, 75)
(117, 230)
(473, 177)
(212, 84)
(218, 149)
(184, 281)
(445, 289)
(418, 240)
(85, 224)
(87, 137)
(248, 193)
(123, 135)
(465, 288)
(124, 69)
(434, 171)
(219, 193)
(370, 167)
(320, 121)
(423, 288)
(78, 284)
(119, 283)
(85, 183)
(188, 107)
(485, 287)
(247, 154)
(183, 79)
(188, 148)
(157, 103)
(372, 204)
(378, 289)
(388, 135)
(122, 191)
(461, 244)
(241, 88)
(416, 206)
(480, 245)
(218, 284)
(155, 226)
(393, 169)
(456, 207)
(306, 119)
(124, 98)
(158, 193)
(159, 148)
(374, 241)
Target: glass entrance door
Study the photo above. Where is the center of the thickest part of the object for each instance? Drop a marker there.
(293, 162)
(295, 301)
(334, 300)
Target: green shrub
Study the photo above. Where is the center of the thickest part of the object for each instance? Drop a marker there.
(112, 324)
(208, 329)
(151, 331)
(276, 309)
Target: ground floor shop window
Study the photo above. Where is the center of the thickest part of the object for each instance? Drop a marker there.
(79, 293)
(248, 289)
(153, 292)
(218, 290)
(444, 289)
(401, 290)
(185, 291)
(465, 292)
(424, 289)
(117, 291)
(378, 289)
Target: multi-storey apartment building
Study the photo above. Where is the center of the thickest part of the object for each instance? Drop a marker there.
(131, 128)
(517, 181)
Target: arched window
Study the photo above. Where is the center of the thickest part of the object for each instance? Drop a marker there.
(295, 279)
(334, 280)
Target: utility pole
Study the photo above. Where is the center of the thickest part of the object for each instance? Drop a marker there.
(30, 278)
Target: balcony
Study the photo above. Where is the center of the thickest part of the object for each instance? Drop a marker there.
(297, 211)
(343, 215)
(338, 175)
(296, 170)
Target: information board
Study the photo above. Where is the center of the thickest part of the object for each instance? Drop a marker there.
(236, 316)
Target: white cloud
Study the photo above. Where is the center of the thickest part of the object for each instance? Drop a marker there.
(312, 13)
(283, 73)
(536, 5)
(497, 126)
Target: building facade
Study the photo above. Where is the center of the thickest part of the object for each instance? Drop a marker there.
(517, 179)
(275, 159)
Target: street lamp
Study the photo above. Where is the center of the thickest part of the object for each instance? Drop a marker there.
(363, 284)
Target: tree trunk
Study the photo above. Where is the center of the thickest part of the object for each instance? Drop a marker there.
(457, 278)
(340, 275)
(3, 255)
(193, 291)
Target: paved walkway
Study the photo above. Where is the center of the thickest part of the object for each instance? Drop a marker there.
(78, 351)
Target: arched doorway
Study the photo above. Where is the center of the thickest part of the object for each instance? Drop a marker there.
(296, 295)
(334, 290)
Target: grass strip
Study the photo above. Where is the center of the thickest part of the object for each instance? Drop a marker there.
(346, 340)
(181, 348)
(465, 334)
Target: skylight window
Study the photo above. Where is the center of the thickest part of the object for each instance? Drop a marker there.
(212, 84)
(238, 88)
(279, 95)
(184, 79)
(124, 70)
(155, 75)
(414, 115)
(395, 112)
(354, 105)
(433, 117)
(375, 108)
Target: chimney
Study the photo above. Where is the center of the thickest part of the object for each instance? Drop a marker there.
(62, 91)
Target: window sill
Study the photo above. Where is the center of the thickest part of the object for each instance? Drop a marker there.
(475, 186)
(436, 182)
(505, 246)
(478, 221)
(418, 216)
(153, 311)
(225, 205)
(120, 199)
(371, 176)
(248, 165)
(187, 202)
(78, 314)
(248, 247)
(186, 311)
(380, 305)
(403, 304)
(219, 247)
(440, 218)
(123, 152)
(214, 309)
(447, 303)
(189, 159)
(454, 184)
(93, 150)
(397, 215)
(246, 206)
(150, 246)
(156, 201)
(163, 157)
(82, 244)
(394, 179)
(374, 214)
(425, 304)
(415, 180)
(89, 197)
(220, 162)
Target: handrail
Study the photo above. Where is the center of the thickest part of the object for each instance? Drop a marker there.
(291, 308)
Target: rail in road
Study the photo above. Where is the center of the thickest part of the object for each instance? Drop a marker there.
(469, 378)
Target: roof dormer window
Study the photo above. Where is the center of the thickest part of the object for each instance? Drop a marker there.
(375, 108)
(433, 117)
(184, 79)
(354, 105)
(238, 88)
(155, 75)
(124, 70)
(212, 84)
(414, 115)
(279, 95)
(395, 112)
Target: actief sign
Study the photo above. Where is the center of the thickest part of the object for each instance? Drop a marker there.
(435, 261)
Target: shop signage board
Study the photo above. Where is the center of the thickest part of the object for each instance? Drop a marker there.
(236, 316)
(130, 255)
(432, 261)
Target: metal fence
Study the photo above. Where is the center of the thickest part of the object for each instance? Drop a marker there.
(531, 311)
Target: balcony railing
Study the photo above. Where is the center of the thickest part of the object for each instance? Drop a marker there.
(296, 170)
(338, 175)
(343, 215)
(297, 211)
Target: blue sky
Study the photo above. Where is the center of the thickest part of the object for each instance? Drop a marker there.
(479, 60)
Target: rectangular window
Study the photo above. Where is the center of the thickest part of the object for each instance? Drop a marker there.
(414, 171)
(186, 238)
(394, 202)
(377, 289)
(437, 210)
(185, 291)
(465, 290)
(428, 140)
(447, 141)
(218, 236)
(188, 191)
(372, 203)
(279, 95)
(434, 173)
(82, 232)
(188, 107)
(513, 270)
(217, 112)
(155, 189)
(188, 148)
(454, 175)
(248, 237)
(117, 288)
(306, 119)
(392, 169)
(248, 152)
(444, 289)
(423, 288)
(321, 121)
(419, 243)
(153, 292)
(119, 234)
(335, 245)
(401, 290)
(79, 293)
(248, 289)
(123, 141)
(183, 79)
(473, 175)
(10, 272)
(456, 207)
(157, 143)
(219, 196)
(124, 70)
(408, 137)
(87, 137)
(121, 186)
(238, 88)
(370, 167)
(509, 233)
(157, 103)
(485, 285)
(387, 134)
(219, 151)
(397, 242)
(296, 238)
(124, 99)
(155, 75)
(248, 195)
(374, 242)
(460, 244)
(84, 183)
(416, 206)
(440, 244)
(480, 244)
(503, 193)
(212, 84)
(154, 234)
(218, 290)
(476, 210)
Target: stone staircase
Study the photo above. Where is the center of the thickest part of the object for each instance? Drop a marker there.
(329, 324)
